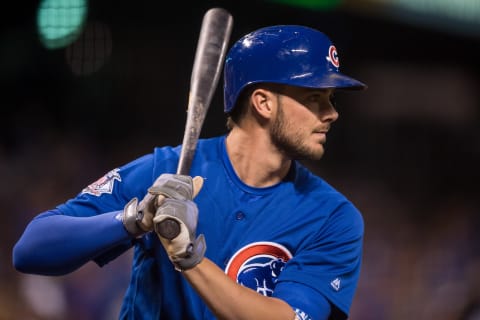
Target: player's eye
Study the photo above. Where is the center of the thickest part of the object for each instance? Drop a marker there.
(315, 98)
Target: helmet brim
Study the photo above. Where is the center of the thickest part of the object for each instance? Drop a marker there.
(347, 83)
(336, 80)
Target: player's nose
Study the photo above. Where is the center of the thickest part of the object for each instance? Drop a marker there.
(328, 114)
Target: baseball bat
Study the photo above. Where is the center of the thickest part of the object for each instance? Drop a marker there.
(211, 49)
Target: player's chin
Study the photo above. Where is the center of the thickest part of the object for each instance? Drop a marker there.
(317, 151)
(319, 154)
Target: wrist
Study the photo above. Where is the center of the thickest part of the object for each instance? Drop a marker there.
(132, 219)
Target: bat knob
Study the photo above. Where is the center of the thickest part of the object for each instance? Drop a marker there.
(168, 228)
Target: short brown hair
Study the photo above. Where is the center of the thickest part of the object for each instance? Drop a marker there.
(240, 108)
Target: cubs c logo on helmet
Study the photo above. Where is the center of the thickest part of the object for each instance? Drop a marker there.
(258, 266)
(333, 56)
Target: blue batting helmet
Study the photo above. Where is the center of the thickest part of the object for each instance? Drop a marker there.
(285, 54)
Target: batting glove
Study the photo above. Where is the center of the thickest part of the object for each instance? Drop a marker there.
(138, 217)
(183, 249)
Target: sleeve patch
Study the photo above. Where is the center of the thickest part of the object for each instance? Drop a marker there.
(104, 184)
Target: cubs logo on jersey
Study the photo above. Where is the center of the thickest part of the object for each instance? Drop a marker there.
(258, 266)
(104, 184)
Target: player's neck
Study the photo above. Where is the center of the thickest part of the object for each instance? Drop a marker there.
(254, 159)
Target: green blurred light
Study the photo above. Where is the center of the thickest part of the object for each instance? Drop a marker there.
(60, 22)
(310, 4)
(466, 10)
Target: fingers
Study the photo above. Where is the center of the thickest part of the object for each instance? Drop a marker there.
(175, 186)
(197, 185)
(160, 200)
(155, 190)
(140, 217)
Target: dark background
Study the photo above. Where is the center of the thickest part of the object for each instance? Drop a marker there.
(406, 151)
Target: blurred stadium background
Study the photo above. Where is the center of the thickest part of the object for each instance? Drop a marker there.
(87, 86)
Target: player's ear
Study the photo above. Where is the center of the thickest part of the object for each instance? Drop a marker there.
(262, 102)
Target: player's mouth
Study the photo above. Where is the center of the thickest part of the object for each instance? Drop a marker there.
(321, 136)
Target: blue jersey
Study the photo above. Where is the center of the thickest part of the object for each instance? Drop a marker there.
(299, 240)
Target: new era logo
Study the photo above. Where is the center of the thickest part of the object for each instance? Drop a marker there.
(335, 284)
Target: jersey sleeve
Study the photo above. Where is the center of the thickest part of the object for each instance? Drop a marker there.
(327, 267)
(117, 187)
(86, 227)
(111, 193)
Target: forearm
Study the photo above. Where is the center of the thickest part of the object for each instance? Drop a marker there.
(58, 244)
(229, 300)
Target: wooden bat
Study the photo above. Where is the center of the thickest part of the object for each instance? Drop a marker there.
(212, 45)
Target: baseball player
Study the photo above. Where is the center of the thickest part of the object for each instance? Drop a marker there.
(260, 236)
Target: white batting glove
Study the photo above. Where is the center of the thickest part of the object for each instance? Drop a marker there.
(138, 217)
(183, 249)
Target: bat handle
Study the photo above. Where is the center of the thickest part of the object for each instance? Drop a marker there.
(168, 228)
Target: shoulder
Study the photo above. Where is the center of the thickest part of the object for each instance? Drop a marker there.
(315, 186)
(339, 209)
(210, 146)
(204, 147)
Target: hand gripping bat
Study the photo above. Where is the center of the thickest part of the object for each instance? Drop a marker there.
(211, 49)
